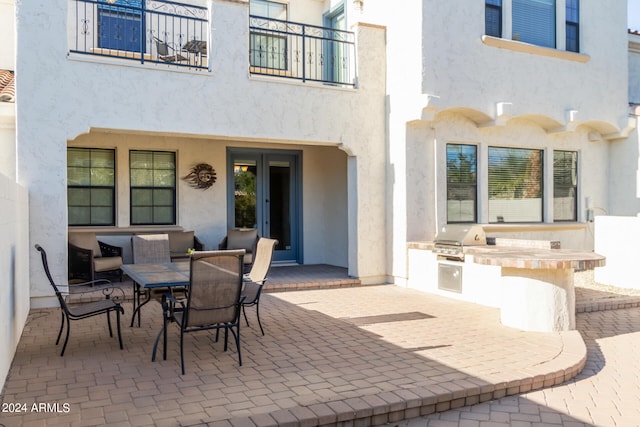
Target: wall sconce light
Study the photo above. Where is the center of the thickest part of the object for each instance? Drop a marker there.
(112, 1)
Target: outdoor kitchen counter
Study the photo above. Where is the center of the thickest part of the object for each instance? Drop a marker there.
(538, 292)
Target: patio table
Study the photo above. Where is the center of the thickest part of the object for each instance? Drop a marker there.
(196, 47)
(146, 277)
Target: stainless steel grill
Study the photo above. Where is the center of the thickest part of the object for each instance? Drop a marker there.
(452, 238)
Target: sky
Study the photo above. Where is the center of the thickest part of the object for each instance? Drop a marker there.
(634, 14)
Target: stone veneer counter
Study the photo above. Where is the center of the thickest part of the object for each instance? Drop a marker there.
(528, 258)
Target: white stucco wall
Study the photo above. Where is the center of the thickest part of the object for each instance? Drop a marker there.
(14, 268)
(480, 284)
(624, 178)
(479, 76)
(615, 238)
(70, 95)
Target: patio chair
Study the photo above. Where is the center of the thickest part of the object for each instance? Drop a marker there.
(85, 310)
(91, 259)
(242, 238)
(255, 279)
(213, 300)
(149, 249)
(166, 53)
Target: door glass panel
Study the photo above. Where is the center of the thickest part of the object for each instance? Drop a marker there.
(244, 173)
(279, 203)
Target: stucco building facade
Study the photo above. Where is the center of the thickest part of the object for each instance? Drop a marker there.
(367, 145)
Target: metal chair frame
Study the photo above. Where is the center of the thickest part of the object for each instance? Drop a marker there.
(179, 312)
(87, 309)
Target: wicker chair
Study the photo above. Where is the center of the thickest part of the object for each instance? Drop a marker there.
(213, 300)
(255, 279)
(91, 259)
(79, 311)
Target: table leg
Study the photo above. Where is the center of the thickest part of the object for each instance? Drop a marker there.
(137, 290)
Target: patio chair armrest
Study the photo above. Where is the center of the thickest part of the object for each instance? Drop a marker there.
(101, 285)
(172, 301)
(109, 250)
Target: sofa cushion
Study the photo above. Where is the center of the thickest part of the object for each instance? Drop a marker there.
(86, 241)
(180, 241)
(107, 263)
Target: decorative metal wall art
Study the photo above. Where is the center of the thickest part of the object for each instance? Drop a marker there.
(201, 176)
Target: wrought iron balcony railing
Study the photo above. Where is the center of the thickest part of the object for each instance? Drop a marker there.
(302, 52)
(175, 35)
(147, 31)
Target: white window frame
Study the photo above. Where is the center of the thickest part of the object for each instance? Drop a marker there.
(482, 183)
(506, 42)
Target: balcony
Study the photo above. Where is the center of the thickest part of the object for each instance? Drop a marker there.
(147, 31)
(175, 35)
(302, 52)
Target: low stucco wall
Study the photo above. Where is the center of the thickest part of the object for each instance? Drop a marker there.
(14, 269)
(616, 237)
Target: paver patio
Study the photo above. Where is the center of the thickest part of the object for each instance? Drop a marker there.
(362, 355)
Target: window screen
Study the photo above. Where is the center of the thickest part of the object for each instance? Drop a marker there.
(461, 183)
(515, 185)
(565, 185)
(90, 186)
(534, 21)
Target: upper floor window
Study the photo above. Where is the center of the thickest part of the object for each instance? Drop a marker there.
(268, 48)
(461, 183)
(515, 185)
(547, 24)
(268, 9)
(565, 185)
(573, 25)
(493, 18)
(91, 186)
(534, 21)
(153, 187)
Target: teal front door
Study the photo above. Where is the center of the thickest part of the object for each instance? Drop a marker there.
(264, 193)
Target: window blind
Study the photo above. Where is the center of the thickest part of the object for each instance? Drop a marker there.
(515, 185)
(565, 185)
(534, 21)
